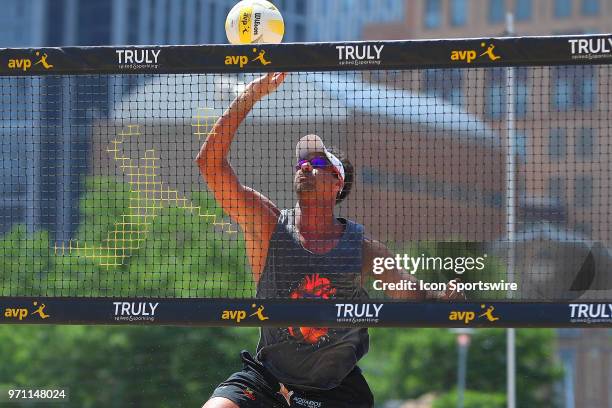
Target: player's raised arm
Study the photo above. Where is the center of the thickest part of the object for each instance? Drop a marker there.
(374, 249)
(255, 213)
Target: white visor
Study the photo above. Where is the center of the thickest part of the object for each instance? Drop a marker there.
(313, 144)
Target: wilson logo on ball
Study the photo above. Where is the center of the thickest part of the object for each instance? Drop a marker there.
(254, 21)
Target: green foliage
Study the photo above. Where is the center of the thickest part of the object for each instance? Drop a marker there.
(179, 256)
(122, 366)
(24, 260)
(178, 253)
(471, 399)
(425, 360)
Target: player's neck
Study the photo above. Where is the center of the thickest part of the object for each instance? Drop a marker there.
(315, 217)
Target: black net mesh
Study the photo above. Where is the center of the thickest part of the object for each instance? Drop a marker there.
(490, 175)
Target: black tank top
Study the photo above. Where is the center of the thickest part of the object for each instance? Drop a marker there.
(315, 358)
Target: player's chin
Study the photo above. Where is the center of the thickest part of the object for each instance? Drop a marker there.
(303, 186)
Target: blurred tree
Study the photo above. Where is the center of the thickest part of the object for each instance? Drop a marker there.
(122, 366)
(425, 360)
(167, 366)
(178, 253)
(471, 399)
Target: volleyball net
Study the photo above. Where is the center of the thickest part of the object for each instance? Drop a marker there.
(484, 160)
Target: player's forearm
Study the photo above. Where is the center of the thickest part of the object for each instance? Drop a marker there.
(215, 149)
(411, 294)
(397, 276)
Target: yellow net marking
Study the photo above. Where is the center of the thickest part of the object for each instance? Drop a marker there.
(150, 196)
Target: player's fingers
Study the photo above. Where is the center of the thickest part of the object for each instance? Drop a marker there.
(278, 78)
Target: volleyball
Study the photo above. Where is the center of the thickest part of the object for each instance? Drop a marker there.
(254, 21)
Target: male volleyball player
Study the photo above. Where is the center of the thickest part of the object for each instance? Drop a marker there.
(303, 252)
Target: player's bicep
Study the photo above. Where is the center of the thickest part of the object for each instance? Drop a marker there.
(372, 250)
(255, 213)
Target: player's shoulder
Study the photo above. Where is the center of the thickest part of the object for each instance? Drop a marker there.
(373, 246)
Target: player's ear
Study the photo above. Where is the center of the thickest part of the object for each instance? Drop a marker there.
(340, 185)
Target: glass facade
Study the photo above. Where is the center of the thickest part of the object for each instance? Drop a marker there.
(557, 143)
(523, 10)
(495, 93)
(562, 8)
(433, 13)
(590, 7)
(459, 11)
(497, 11)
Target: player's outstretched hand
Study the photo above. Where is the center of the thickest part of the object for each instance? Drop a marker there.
(450, 294)
(266, 84)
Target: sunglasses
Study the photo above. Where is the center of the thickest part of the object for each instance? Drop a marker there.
(316, 162)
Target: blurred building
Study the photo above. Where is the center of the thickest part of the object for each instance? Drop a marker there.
(561, 113)
(481, 18)
(586, 356)
(562, 121)
(454, 173)
(49, 199)
(55, 142)
(202, 21)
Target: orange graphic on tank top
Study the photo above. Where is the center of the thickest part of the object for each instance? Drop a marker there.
(312, 287)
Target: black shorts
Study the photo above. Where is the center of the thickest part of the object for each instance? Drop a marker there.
(255, 387)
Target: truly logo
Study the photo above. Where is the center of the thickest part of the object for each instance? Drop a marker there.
(138, 58)
(590, 312)
(591, 48)
(358, 312)
(135, 311)
(369, 54)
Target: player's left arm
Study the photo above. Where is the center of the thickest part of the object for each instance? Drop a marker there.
(374, 249)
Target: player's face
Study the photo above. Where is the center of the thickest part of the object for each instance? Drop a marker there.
(315, 174)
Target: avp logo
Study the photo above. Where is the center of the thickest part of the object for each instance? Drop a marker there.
(135, 311)
(22, 312)
(138, 58)
(240, 315)
(359, 54)
(242, 60)
(467, 316)
(25, 64)
(464, 316)
(470, 55)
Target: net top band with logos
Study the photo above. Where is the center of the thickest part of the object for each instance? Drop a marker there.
(456, 53)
